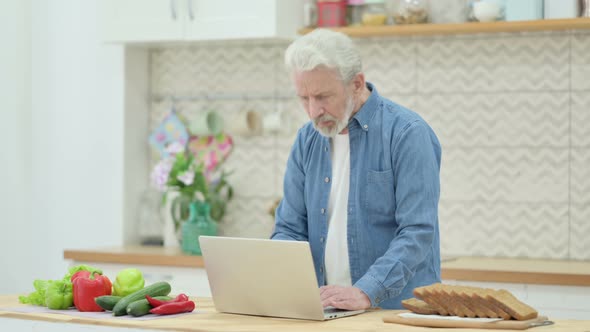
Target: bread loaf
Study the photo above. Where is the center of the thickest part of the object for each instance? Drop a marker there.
(419, 307)
(468, 302)
(507, 302)
(425, 294)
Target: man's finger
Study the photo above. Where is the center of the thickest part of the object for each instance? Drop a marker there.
(330, 295)
(328, 292)
(328, 303)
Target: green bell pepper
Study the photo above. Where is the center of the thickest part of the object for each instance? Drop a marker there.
(59, 294)
(128, 281)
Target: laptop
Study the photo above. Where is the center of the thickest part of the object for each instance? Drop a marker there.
(264, 278)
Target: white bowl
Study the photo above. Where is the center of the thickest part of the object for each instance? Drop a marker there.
(486, 11)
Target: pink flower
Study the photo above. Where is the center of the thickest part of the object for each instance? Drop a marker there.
(160, 174)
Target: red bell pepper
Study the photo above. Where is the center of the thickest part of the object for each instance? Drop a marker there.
(156, 303)
(174, 308)
(87, 288)
(86, 274)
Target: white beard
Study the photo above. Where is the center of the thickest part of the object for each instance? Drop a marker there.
(339, 124)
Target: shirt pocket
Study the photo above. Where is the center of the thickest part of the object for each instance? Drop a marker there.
(380, 196)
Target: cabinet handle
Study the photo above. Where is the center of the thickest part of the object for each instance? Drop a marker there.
(191, 14)
(173, 9)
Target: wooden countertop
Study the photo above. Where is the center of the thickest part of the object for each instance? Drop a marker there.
(487, 269)
(205, 318)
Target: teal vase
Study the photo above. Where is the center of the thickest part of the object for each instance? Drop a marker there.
(199, 223)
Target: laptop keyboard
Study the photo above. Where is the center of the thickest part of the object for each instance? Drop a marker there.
(334, 310)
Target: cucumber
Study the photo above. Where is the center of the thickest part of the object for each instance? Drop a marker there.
(160, 288)
(107, 302)
(142, 307)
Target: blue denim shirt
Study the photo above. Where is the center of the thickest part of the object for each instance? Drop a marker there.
(393, 237)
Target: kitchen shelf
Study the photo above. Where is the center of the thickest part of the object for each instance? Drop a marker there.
(429, 29)
(144, 255)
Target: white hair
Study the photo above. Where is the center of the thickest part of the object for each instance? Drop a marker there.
(327, 48)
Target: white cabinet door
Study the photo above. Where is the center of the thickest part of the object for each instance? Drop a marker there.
(228, 19)
(142, 20)
(132, 21)
(239, 19)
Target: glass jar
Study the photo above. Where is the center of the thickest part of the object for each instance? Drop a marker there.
(411, 12)
(150, 226)
(355, 11)
(585, 8)
(374, 13)
(449, 11)
(310, 14)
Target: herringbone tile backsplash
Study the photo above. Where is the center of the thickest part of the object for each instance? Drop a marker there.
(512, 112)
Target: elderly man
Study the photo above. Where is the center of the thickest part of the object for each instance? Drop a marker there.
(362, 181)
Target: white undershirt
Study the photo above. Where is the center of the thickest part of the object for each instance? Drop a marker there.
(336, 257)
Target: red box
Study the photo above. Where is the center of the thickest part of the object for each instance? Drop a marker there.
(331, 13)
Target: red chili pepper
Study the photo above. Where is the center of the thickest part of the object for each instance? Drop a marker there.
(156, 303)
(174, 308)
(181, 298)
(87, 288)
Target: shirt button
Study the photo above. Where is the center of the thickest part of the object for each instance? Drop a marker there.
(350, 210)
(326, 149)
(323, 211)
(366, 126)
(321, 269)
(327, 179)
(322, 240)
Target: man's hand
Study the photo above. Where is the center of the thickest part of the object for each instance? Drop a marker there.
(349, 298)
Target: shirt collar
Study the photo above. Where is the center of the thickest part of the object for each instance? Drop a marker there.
(367, 111)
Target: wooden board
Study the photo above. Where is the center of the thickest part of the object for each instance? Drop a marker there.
(498, 325)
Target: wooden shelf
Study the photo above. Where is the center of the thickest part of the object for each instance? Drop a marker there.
(133, 255)
(428, 29)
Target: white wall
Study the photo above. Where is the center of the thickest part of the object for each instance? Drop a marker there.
(16, 232)
(72, 126)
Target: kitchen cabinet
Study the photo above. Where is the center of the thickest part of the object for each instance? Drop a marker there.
(142, 21)
(558, 289)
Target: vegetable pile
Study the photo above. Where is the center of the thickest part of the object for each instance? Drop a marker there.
(87, 289)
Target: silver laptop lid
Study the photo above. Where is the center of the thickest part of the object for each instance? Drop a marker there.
(262, 277)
